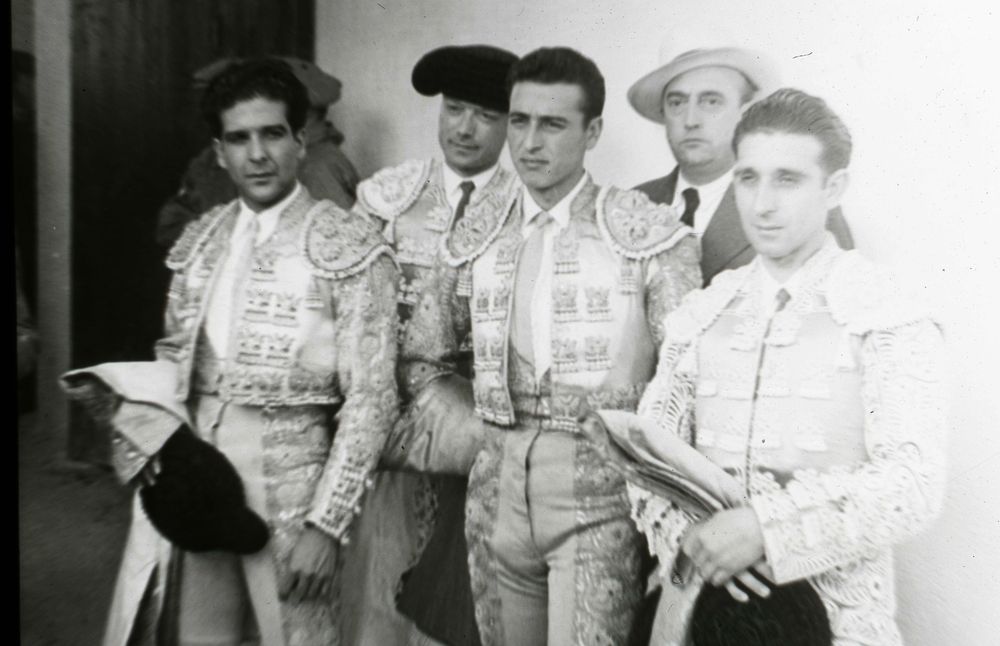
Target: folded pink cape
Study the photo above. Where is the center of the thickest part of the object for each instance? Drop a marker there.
(135, 398)
(676, 470)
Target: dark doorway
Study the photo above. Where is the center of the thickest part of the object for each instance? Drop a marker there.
(135, 126)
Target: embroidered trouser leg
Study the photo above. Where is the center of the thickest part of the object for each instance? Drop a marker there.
(278, 454)
(549, 524)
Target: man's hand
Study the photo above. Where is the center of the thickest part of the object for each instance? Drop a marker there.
(311, 567)
(147, 477)
(726, 545)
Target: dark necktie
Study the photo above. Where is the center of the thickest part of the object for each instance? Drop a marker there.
(466, 188)
(691, 202)
(782, 298)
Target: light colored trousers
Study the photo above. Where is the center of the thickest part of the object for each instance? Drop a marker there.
(555, 558)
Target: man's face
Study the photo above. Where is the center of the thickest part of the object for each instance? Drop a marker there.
(259, 150)
(783, 194)
(701, 109)
(548, 137)
(470, 135)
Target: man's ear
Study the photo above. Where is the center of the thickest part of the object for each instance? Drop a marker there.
(220, 159)
(836, 186)
(300, 138)
(594, 129)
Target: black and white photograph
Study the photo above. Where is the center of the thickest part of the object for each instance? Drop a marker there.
(478, 323)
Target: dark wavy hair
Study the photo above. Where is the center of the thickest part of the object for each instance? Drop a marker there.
(256, 78)
(550, 65)
(794, 112)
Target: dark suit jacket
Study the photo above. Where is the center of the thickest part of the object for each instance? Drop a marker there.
(724, 245)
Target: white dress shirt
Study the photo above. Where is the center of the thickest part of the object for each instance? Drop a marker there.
(541, 297)
(709, 197)
(453, 181)
(229, 276)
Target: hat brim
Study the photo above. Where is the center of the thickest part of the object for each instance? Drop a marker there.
(646, 94)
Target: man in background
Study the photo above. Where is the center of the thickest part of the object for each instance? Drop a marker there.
(413, 520)
(326, 172)
(699, 94)
(563, 289)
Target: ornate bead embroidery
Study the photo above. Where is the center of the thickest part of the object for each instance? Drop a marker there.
(628, 281)
(598, 303)
(566, 254)
(481, 304)
(463, 284)
(564, 303)
(438, 219)
(501, 302)
(414, 251)
(564, 355)
(507, 254)
(596, 352)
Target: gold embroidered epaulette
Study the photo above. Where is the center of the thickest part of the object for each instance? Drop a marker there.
(339, 243)
(391, 191)
(481, 224)
(196, 234)
(866, 298)
(635, 226)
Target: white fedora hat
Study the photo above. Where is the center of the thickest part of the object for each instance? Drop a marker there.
(680, 55)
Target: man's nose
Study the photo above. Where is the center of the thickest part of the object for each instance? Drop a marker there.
(466, 124)
(763, 200)
(255, 149)
(532, 138)
(692, 115)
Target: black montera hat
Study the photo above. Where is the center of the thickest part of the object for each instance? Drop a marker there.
(792, 615)
(197, 502)
(474, 73)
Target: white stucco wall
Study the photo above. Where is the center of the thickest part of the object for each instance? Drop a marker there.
(916, 83)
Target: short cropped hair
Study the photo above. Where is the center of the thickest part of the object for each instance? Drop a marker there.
(793, 111)
(264, 78)
(550, 65)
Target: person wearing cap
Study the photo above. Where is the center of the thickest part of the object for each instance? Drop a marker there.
(417, 519)
(816, 383)
(699, 94)
(281, 310)
(326, 171)
(563, 289)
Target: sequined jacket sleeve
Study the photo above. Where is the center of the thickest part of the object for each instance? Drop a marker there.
(668, 401)
(440, 322)
(366, 322)
(821, 520)
(665, 399)
(670, 275)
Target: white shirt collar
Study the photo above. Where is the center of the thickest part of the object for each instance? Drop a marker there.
(560, 211)
(709, 197)
(452, 180)
(267, 220)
